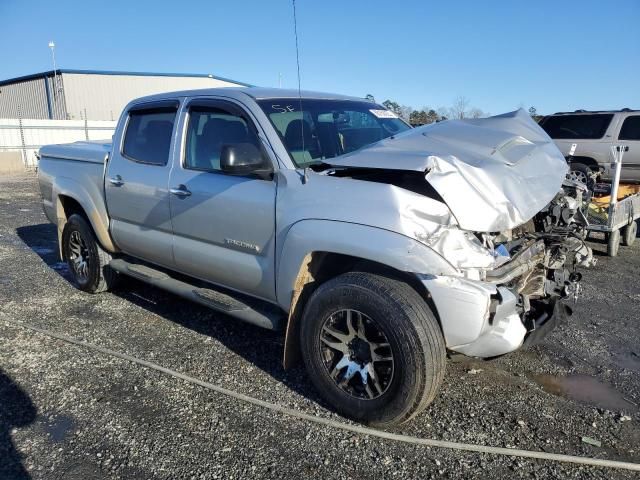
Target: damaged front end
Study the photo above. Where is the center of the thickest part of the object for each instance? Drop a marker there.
(515, 230)
(519, 295)
(542, 261)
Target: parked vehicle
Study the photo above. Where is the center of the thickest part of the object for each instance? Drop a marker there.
(585, 139)
(375, 246)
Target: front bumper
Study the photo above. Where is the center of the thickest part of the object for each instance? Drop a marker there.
(479, 319)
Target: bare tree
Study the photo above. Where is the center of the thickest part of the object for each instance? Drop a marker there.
(459, 109)
(405, 112)
(443, 113)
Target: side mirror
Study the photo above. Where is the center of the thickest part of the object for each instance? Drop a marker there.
(243, 159)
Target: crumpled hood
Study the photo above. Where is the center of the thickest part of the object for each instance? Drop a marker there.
(494, 173)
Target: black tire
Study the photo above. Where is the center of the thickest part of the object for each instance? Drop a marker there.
(629, 234)
(413, 334)
(613, 243)
(583, 173)
(98, 277)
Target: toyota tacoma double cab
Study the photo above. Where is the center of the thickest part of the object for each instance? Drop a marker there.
(377, 248)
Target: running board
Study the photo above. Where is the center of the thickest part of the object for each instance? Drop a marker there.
(233, 304)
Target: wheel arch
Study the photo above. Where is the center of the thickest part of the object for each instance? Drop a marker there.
(588, 161)
(71, 197)
(310, 258)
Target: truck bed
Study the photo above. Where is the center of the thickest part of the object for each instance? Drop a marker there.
(75, 171)
(89, 151)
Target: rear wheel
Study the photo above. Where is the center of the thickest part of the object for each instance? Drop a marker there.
(87, 261)
(372, 348)
(629, 233)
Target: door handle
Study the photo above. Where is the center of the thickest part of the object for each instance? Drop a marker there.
(117, 181)
(180, 191)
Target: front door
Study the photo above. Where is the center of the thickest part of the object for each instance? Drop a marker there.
(136, 184)
(223, 225)
(630, 136)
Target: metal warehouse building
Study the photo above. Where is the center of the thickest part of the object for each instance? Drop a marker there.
(91, 94)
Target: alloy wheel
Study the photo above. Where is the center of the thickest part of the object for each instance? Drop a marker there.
(357, 354)
(79, 256)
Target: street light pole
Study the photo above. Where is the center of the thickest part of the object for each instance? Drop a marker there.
(52, 46)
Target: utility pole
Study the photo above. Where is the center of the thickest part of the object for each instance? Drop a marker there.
(52, 46)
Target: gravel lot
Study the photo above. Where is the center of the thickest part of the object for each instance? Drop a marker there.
(71, 413)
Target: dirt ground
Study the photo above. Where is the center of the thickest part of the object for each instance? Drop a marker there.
(71, 413)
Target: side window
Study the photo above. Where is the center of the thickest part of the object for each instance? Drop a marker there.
(209, 130)
(584, 126)
(630, 128)
(148, 135)
(299, 134)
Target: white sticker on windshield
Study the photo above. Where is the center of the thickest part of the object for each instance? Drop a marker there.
(384, 113)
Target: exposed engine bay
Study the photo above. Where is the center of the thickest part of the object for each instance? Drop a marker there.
(543, 256)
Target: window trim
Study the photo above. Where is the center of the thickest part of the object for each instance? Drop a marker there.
(146, 106)
(624, 120)
(234, 109)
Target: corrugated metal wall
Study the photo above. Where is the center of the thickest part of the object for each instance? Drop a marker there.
(57, 98)
(28, 97)
(104, 96)
(32, 99)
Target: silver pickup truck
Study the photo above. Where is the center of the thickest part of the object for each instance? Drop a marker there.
(376, 247)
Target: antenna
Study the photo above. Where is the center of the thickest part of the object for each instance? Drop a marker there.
(295, 30)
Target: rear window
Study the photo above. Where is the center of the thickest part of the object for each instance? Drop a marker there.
(148, 135)
(630, 128)
(577, 126)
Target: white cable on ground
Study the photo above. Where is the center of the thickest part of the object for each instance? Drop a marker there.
(511, 452)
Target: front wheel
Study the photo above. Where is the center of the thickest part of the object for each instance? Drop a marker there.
(87, 261)
(372, 348)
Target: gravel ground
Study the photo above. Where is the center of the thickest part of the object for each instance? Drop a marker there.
(71, 413)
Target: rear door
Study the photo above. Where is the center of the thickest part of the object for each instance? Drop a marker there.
(223, 225)
(629, 135)
(136, 184)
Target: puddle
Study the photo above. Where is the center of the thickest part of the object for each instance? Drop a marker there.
(60, 428)
(630, 361)
(585, 389)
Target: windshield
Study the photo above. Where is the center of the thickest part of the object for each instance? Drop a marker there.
(329, 128)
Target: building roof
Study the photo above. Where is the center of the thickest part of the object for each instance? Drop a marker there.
(50, 73)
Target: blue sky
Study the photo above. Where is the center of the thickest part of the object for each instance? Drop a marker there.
(555, 55)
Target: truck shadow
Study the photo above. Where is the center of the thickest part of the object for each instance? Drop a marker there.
(261, 348)
(43, 240)
(16, 410)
